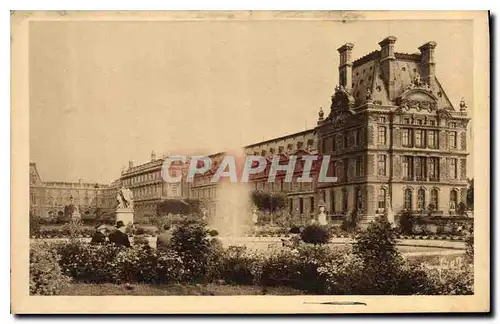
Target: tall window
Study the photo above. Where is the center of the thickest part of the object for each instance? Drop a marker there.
(346, 140)
(407, 197)
(406, 120)
(431, 139)
(382, 197)
(358, 137)
(432, 168)
(290, 205)
(453, 139)
(359, 166)
(345, 196)
(453, 168)
(323, 194)
(334, 143)
(382, 168)
(382, 135)
(434, 198)
(420, 168)
(407, 167)
(301, 205)
(418, 138)
(333, 168)
(346, 169)
(332, 201)
(311, 204)
(421, 199)
(453, 199)
(405, 137)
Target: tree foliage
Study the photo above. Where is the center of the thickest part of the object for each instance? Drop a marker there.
(266, 201)
(470, 194)
(178, 206)
(376, 247)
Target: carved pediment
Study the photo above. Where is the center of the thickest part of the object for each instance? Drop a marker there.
(341, 100)
(418, 99)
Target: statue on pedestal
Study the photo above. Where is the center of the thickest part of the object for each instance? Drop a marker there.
(389, 211)
(125, 208)
(255, 216)
(322, 214)
(125, 197)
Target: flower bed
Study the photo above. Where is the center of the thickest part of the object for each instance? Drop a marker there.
(371, 265)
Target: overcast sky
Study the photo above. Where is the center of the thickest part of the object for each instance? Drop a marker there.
(104, 93)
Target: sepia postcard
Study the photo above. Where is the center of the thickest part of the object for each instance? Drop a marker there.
(257, 162)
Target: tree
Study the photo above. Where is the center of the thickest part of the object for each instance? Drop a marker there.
(382, 262)
(271, 202)
(178, 206)
(462, 209)
(470, 194)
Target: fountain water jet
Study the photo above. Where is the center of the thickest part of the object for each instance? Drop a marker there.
(232, 217)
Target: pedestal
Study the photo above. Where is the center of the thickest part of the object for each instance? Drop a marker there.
(322, 219)
(125, 215)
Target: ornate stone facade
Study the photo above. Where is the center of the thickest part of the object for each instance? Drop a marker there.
(49, 198)
(415, 149)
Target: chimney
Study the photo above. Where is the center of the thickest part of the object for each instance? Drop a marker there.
(345, 66)
(427, 63)
(130, 164)
(387, 63)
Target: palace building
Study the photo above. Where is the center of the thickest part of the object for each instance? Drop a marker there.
(49, 198)
(394, 135)
(147, 185)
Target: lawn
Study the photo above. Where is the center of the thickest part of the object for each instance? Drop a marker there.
(82, 289)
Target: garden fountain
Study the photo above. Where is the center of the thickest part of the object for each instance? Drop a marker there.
(233, 216)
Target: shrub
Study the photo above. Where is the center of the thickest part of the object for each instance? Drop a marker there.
(137, 264)
(87, 262)
(46, 277)
(234, 266)
(382, 262)
(350, 222)
(406, 222)
(213, 233)
(140, 231)
(170, 268)
(141, 240)
(315, 234)
(279, 268)
(469, 244)
(74, 228)
(309, 259)
(295, 229)
(35, 226)
(190, 241)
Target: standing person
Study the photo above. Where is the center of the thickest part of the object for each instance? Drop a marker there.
(118, 236)
(164, 239)
(99, 236)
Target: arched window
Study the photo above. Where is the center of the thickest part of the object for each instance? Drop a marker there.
(434, 198)
(407, 196)
(453, 199)
(421, 199)
(382, 197)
